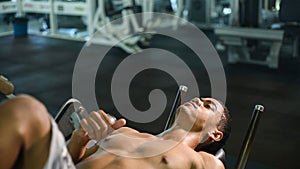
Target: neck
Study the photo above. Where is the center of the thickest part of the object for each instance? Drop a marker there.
(189, 138)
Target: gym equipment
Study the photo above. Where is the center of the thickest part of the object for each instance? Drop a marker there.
(6, 87)
(250, 33)
(110, 34)
(238, 42)
(177, 102)
(8, 7)
(66, 120)
(69, 116)
(289, 17)
(249, 138)
(81, 8)
(129, 30)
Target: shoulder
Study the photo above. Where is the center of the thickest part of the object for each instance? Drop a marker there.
(210, 161)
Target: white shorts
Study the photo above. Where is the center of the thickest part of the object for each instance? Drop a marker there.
(59, 157)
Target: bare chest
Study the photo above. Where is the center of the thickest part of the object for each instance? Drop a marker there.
(125, 144)
(148, 152)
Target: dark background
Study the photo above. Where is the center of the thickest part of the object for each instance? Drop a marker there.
(43, 67)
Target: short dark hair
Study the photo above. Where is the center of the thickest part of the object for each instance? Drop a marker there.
(224, 126)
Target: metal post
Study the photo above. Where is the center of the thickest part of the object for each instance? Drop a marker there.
(178, 98)
(90, 16)
(208, 8)
(261, 8)
(247, 143)
(234, 16)
(20, 12)
(53, 18)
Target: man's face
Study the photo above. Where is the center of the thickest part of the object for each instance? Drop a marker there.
(200, 114)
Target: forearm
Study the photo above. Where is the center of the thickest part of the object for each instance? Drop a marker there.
(78, 144)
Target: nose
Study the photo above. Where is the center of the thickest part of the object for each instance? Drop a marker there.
(197, 101)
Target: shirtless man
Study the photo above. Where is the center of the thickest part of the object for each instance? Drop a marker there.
(197, 125)
(32, 140)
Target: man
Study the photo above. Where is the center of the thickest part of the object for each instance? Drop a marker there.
(197, 125)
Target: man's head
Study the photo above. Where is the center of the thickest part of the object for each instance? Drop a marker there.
(208, 116)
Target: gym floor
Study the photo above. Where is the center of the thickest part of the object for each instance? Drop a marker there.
(43, 67)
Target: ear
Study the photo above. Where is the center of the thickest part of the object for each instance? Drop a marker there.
(216, 135)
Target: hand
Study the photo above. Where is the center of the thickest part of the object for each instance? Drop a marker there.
(98, 125)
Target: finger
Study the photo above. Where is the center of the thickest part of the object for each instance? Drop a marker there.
(103, 125)
(91, 127)
(108, 123)
(111, 123)
(99, 119)
(106, 117)
(119, 123)
(86, 127)
(97, 132)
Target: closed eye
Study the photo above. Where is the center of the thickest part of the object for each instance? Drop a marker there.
(209, 104)
(206, 105)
